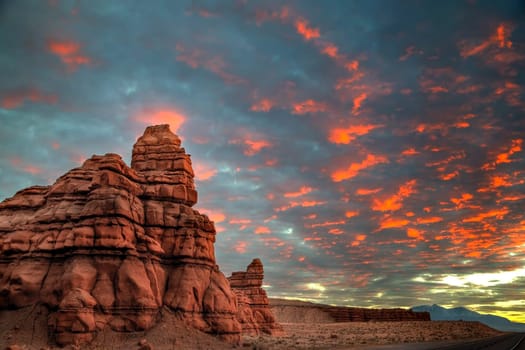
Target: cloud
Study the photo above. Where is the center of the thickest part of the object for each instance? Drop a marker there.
(355, 168)
(494, 213)
(308, 106)
(25, 167)
(264, 105)
(17, 98)
(500, 39)
(503, 157)
(301, 192)
(358, 101)
(394, 202)
(303, 28)
(161, 115)
(261, 230)
(252, 144)
(196, 58)
(392, 222)
(69, 52)
(346, 135)
(203, 171)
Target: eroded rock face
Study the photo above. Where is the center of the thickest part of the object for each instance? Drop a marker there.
(109, 246)
(254, 311)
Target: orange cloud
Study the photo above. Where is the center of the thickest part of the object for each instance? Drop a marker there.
(308, 106)
(352, 65)
(240, 247)
(415, 233)
(308, 33)
(392, 222)
(499, 39)
(216, 216)
(394, 202)
(264, 105)
(410, 152)
(335, 231)
(448, 176)
(355, 168)
(504, 156)
(327, 223)
(17, 98)
(304, 204)
(69, 53)
(196, 58)
(165, 115)
(302, 191)
(204, 172)
(468, 50)
(252, 143)
(347, 135)
(367, 191)
(500, 181)
(502, 36)
(497, 213)
(261, 230)
(255, 146)
(351, 213)
(243, 223)
(429, 220)
(358, 239)
(459, 202)
(461, 125)
(20, 165)
(358, 101)
(330, 50)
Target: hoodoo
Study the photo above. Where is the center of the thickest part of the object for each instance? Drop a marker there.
(109, 245)
(254, 311)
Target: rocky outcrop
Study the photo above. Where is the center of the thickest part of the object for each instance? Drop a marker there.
(301, 311)
(109, 245)
(254, 311)
(354, 314)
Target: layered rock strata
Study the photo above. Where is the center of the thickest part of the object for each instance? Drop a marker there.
(354, 314)
(109, 245)
(300, 311)
(254, 311)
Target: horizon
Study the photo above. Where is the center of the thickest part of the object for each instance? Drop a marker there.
(368, 158)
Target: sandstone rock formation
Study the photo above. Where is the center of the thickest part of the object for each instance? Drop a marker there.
(355, 314)
(254, 311)
(300, 311)
(109, 245)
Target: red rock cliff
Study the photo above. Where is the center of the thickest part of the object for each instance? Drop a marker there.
(254, 311)
(111, 246)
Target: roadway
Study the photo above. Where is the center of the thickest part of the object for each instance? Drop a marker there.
(511, 341)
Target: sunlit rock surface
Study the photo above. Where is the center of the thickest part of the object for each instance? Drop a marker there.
(109, 245)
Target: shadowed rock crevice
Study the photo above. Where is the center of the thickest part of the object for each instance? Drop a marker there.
(109, 245)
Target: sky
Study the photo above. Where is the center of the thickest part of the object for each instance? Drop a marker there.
(371, 153)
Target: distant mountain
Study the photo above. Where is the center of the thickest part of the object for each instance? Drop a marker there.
(439, 313)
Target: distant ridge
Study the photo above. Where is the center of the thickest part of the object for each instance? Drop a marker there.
(439, 313)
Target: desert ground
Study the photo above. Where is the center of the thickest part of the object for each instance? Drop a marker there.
(26, 328)
(362, 334)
